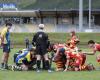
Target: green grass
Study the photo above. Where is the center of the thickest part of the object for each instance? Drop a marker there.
(18, 38)
(32, 75)
(94, 75)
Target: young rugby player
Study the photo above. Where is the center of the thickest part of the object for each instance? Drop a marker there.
(95, 47)
(73, 41)
(5, 43)
(25, 60)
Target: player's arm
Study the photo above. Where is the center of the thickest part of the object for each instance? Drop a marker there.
(56, 55)
(3, 34)
(20, 57)
(90, 53)
(34, 39)
(76, 40)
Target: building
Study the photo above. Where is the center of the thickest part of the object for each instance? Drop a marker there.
(57, 20)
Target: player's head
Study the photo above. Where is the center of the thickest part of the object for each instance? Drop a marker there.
(51, 47)
(32, 51)
(41, 26)
(61, 51)
(72, 33)
(20, 51)
(91, 43)
(9, 25)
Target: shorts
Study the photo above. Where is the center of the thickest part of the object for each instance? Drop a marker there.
(41, 50)
(6, 48)
(25, 62)
(60, 65)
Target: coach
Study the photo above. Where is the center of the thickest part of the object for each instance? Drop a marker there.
(41, 41)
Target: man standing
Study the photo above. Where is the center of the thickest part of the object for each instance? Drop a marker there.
(5, 43)
(41, 41)
(27, 42)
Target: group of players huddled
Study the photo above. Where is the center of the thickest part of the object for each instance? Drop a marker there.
(66, 56)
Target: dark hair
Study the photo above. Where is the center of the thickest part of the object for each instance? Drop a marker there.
(31, 49)
(8, 24)
(91, 42)
(51, 46)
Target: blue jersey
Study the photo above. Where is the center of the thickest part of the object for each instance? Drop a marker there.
(8, 38)
(21, 57)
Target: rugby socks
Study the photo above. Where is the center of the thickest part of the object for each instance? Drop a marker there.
(38, 64)
(43, 65)
(5, 66)
(2, 65)
(47, 65)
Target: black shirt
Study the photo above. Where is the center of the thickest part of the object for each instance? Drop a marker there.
(40, 38)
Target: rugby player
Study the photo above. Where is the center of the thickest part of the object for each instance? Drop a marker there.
(73, 41)
(5, 43)
(95, 47)
(77, 60)
(25, 60)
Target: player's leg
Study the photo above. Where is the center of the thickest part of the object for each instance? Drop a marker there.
(38, 62)
(47, 61)
(7, 51)
(4, 61)
(24, 67)
(46, 57)
(38, 57)
(78, 63)
(83, 58)
(43, 63)
(59, 66)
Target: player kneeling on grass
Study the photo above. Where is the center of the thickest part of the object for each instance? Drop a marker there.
(59, 56)
(18, 53)
(77, 60)
(60, 59)
(25, 60)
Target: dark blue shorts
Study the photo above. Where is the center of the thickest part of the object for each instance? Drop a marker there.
(6, 48)
(41, 50)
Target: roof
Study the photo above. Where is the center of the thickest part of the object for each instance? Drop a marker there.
(44, 13)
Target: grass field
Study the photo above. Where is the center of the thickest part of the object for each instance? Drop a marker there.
(32, 75)
(54, 37)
